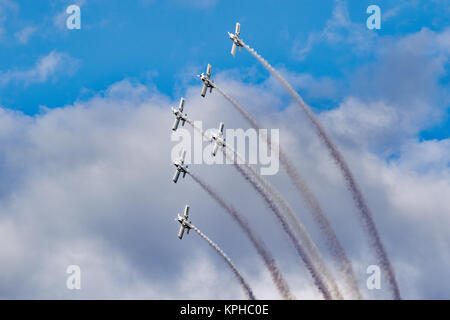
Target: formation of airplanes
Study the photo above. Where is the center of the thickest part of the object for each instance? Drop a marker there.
(217, 138)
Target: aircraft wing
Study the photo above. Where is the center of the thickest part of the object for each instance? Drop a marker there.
(186, 212)
(233, 49)
(208, 71)
(238, 29)
(216, 146)
(175, 124)
(221, 128)
(181, 232)
(204, 90)
(181, 106)
(176, 176)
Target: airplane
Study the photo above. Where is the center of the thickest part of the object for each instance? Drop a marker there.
(219, 140)
(179, 115)
(236, 41)
(185, 224)
(179, 164)
(207, 83)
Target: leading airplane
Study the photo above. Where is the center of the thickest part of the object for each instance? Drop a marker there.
(179, 115)
(236, 41)
(185, 224)
(207, 83)
(218, 139)
(181, 168)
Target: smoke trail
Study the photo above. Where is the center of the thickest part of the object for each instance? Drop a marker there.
(317, 278)
(365, 214)
(301, 230)
(339, 257)
(198, 129)
(248, 291)
(263, 252)
(272, 206)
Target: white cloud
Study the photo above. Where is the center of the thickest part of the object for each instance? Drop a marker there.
(25, 34)
(90, 184)
(339, 29)
(47, 67)
(7, 7)
(396, 96)
(397, 9)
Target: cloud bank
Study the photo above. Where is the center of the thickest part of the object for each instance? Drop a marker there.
(90, 184)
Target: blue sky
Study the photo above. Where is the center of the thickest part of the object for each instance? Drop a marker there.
(83, 111)
(162, 42)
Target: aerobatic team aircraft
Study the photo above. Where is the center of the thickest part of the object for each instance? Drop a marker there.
(218, 139)
(179, 115)
(181, 168)
(207, 83)
(236, 41)
(183, 220)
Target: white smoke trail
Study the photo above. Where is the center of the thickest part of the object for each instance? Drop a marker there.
(263, 252)
(310, 265)
(366, 217)
(340, 259)
(333, 291)
(295, 221)
(248, 291)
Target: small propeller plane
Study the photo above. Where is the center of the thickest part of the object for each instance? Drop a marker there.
(179, 115)
(218, 139)
(207, 82)
(181, 168)
(236, 41)
(185, 224)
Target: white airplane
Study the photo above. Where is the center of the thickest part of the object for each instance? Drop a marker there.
(236, 41)
(185, 224)
(218, 139)
(207, 83)
(179, 115)
(181, 168)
